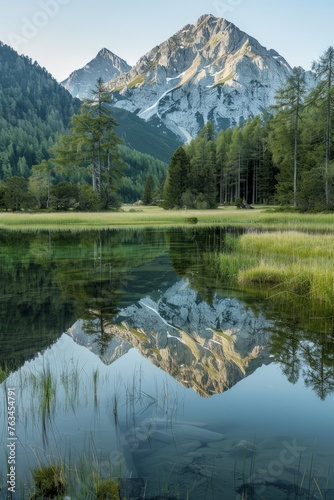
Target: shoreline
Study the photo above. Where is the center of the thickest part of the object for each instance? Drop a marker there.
(259, 218)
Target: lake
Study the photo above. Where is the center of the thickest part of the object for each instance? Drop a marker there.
(128, 353)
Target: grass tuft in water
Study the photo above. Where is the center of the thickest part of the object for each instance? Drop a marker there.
(285, 263)
(50, 481)
(108, 489)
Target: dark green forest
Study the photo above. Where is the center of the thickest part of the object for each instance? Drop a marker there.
(34, 108)
(152, 138)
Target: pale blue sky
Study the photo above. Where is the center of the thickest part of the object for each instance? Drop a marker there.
(64, 35)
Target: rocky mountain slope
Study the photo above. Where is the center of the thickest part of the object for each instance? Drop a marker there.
(105, 65)
(210, 70)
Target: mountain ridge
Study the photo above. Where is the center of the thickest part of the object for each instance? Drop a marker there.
(209, 70)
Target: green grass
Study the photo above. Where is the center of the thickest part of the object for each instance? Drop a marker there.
(285, 263)
(292, 244)
(137, 81)
(109, 489)
(260, 218)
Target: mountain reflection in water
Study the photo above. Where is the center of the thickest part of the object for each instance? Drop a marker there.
(164, 372)
(206, 347)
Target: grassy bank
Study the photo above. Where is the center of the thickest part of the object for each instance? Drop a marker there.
(288, 264)
(260, 218)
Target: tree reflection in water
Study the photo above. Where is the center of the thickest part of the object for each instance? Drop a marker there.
(48, 280)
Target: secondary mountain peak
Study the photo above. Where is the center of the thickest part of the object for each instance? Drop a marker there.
(105, 53)
(117, 61)
(105, 65)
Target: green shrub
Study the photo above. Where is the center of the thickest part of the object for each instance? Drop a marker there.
(239, 203)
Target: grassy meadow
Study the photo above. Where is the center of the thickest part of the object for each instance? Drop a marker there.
(259, 218)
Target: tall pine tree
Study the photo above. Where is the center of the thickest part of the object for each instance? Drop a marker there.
(290, 101)
(324, 96)
(177, 179)
(93, 143)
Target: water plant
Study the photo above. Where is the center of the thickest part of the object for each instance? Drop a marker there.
(48, 392)
(95, 380)
(50, 481)
(108, 489)
(90, 480)
(58, 473)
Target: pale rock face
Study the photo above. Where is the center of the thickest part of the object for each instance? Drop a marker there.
(105, 65)
(207, 71)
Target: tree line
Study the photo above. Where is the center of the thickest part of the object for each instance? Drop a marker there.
(285, 156)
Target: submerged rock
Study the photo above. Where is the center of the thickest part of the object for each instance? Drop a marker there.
(132, 488)
(243, 449)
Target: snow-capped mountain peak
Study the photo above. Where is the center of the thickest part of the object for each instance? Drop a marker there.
(209, 70)
(105, 65)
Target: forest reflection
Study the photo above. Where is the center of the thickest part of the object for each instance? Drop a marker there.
(50, 280)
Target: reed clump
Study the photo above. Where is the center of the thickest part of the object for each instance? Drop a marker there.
(54, 480)
(109, 489)
(50, 481)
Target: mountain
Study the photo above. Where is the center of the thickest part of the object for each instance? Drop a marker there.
(210, 70)
(105, 65)
(34, 108)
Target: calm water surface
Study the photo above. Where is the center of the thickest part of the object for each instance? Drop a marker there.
(128, 354)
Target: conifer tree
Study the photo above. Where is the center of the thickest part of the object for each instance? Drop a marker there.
(222, 144)
(324, 97)
(209, 188)
(93, 143)
(236, 164)
(290, 101)
(148, 190)
(177, 177)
